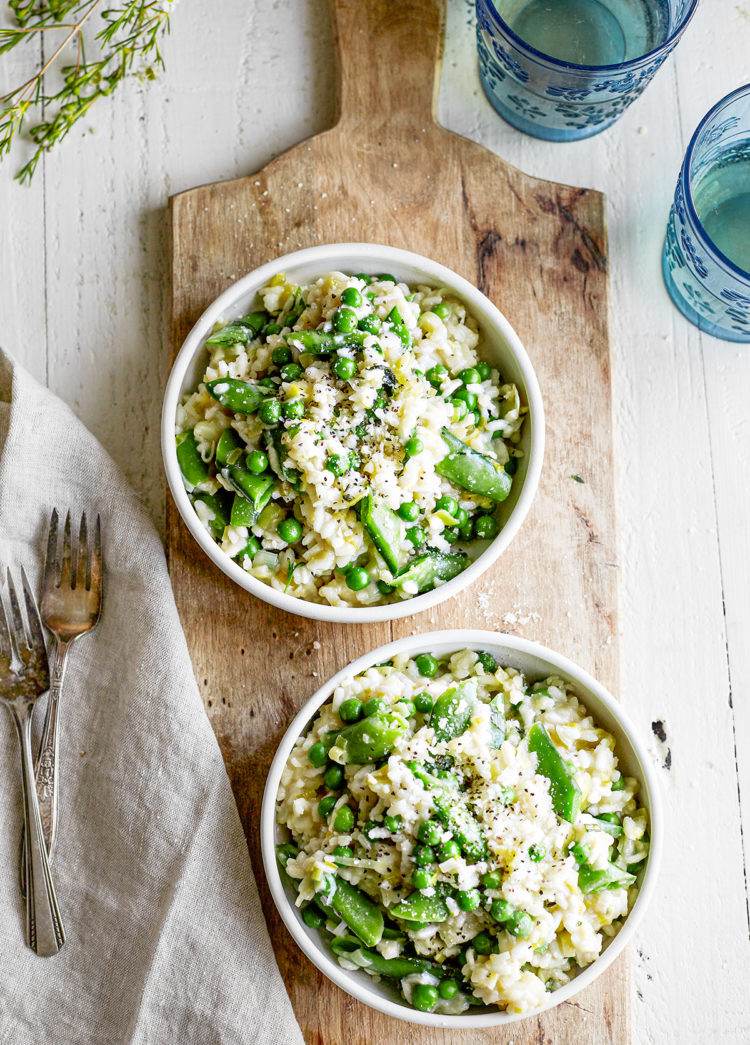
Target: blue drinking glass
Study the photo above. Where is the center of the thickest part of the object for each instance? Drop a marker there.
(607, 52)
(706, 261)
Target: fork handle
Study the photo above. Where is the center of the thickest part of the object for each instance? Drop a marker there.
(46, 766)
(44, 928)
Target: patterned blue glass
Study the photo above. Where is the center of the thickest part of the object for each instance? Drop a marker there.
(708, 287)
(560, 100)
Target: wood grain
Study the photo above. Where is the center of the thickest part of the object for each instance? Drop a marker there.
(388, 173)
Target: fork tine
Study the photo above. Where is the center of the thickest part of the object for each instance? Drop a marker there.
(32, 614)
(50, 563)
(65, 570)
(6, 645)
(18, 632)
(94, 579)
(83, 573)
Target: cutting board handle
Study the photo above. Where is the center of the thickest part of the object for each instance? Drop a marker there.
(389, 61)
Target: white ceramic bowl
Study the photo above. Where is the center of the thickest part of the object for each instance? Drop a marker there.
(535, 662)
(503, 349)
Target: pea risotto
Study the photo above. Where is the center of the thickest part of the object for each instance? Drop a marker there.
(461, 831)
(347, 444)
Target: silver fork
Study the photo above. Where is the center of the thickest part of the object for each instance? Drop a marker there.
(71, 606)
(24, 676)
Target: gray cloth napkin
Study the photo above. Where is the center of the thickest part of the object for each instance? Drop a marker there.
(166, 941)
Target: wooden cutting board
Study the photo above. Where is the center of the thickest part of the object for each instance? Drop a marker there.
(388, 173)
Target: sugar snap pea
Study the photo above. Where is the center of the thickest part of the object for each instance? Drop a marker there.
(243, 513)
(194, 469)
(610, 823)
(277, 458)
(219, 504)
(430, 567)
(591, 880)
(473, 471)
(368, 740)
(241, 397)
(232, 334)
(565, 793)
(419, 907)
(256, 488)
(497, 721)
(395, 968)
(230, 442)
(453, 709)
(361, 914)
(385, 530)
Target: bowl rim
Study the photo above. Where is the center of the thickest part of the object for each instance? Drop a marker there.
(336, 255)
(456, 640)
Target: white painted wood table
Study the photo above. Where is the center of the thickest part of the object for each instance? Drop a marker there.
(83, 287)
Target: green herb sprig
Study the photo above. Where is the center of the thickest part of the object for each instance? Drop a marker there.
(126, 43)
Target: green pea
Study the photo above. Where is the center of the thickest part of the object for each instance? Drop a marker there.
(427, 665)
(357, 578)
(416, 535)
(448, 989)
(501, 910)
(460, 515)
(492, 880)
(333, 778)
(317, 755)
(486, 527)
(466, 529)
(460, 409)
(257, 461)
(463, 395)
(342, 852)
(469, 376)
(291, 372)
(423, 703)
(511, 465)
(269, 411)
(537, 853)
(421, 878)
(424, 855)
(436, 375)
(447, 504)
(484, 370)
(386, 277)
(393, 823)
(449, 850)
(468, 899)
(272, 328)
(409, 511)
(313, 916)
(424, 997)
(325, 805)
(373, 706)
(367, 280)
(385, 589)
(345, 368)
(429, 832)
(413, 446)
(520, 924)
(344, 320)
(451, 534)
(281, 354)
(286, 852)
(370, 324)
(619, 784)
(351, 710)
(343, 821)
(293, 409)
(289, 530)
(267, 382)
(351, 296)
(441, 310)
(483, 943)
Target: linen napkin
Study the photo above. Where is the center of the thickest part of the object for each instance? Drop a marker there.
(166, 941)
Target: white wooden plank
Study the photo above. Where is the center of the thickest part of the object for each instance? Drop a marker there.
(244, 84)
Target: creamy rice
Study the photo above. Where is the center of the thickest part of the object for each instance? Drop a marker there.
(535, 855)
